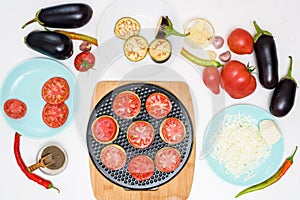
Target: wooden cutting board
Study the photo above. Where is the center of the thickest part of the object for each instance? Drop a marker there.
(176, 189)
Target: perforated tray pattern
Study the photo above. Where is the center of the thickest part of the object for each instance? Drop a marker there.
(122, 177)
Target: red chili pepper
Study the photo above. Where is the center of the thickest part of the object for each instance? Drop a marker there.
(286, 165)
(47, 184)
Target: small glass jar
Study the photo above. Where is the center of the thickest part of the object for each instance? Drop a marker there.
(201, 32)
(59, 156)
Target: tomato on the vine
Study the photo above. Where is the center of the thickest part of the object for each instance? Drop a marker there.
(240, 41)
(84, 61)
(237, 79)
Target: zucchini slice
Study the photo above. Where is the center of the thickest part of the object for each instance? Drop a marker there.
(135, 48)
(160, 50)
(126, 27)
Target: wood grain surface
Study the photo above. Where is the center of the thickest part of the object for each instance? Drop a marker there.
(176, 189)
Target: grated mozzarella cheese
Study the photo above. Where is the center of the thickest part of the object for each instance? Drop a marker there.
(239, 146)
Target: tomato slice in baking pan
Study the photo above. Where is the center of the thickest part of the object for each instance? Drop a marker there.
(15, 108)
(140, 134)
(55, 90)
(55, 115)
(141, 167)
(105, 129)
(172, 130)
(158, 105)
(113, 157)
(126, 104)
(167, 159)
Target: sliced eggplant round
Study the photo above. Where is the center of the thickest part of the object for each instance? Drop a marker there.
(160, 50)
(135, 48)
(126, 27)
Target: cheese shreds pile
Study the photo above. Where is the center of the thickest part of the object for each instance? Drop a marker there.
(239, 146)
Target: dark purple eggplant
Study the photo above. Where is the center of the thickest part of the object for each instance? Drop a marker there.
(266, 58)
(165, 28)
(52, 44)
(284, 94)
(71, 15)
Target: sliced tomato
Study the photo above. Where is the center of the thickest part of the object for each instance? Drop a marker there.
(158, 105)
(140, 134)
(56, 90)
(55, 115)
(127, 104)
(167, 159)
(172, 130)
(15, 108)
(113, 157)
(105, 129)
(141, 167)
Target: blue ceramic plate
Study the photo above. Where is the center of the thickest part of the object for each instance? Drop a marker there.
(25, 83)
(265, 169)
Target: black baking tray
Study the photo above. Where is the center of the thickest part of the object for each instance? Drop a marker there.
(122, 177)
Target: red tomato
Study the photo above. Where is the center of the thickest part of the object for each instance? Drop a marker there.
(105, 129)
(167, 159)
(15, 108)
(56, 90)
(84, 61)
(158, 105)
(55, 115)
(140, 134)
(237, 79)
(126, 105)
(141, 167)
(211, 78)
(240, 41)
(113, 157)
(172, 130)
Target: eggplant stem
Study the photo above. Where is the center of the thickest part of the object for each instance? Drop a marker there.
(174, 32)
(29, 22)
(289, 74)
(169, 30)
(35, 19)
(260, 32)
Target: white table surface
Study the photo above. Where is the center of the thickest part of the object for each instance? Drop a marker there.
(279, 17)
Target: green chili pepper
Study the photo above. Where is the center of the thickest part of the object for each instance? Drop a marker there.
(199, 61)
(273, 179)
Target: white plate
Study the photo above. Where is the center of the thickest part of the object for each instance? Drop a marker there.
(147, 13)
(111, 65)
